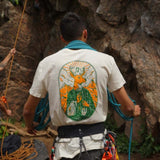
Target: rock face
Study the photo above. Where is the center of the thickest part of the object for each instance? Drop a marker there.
(129, 30)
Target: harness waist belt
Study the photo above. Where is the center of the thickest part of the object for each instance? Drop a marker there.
(80, 130)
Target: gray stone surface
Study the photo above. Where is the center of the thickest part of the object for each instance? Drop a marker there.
(127, 30)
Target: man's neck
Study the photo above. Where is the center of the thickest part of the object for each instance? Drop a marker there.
(80, 39)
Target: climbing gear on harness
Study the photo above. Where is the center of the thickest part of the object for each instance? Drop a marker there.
(52, 153)
(110, 150)
(81, 144)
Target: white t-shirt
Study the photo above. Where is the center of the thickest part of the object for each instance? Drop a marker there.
(76, 82)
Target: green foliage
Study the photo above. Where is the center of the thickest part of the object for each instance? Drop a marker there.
(16, 132)
(146, 148)
(156, 149)
(23, 124)
(11, 120)
(149, 147)
(2, 129)
(122, 140)
(122, 143)
(14, 2)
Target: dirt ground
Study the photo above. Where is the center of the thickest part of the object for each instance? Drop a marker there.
(138, 157)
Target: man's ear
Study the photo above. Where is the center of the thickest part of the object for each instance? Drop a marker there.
(62, 39)
(85, 34)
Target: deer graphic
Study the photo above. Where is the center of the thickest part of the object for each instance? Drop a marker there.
(78, 79)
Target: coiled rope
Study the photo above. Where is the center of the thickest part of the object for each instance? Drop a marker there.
(25, 150)
(116, 106)
(41, 113)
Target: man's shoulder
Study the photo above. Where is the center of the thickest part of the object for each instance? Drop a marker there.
(103, 55)
(51, 57)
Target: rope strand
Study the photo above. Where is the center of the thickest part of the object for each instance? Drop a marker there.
(15, 43)
(25, 150)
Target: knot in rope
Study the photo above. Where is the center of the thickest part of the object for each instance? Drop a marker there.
(3, 99)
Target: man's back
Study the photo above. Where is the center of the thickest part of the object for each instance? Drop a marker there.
(76, 81)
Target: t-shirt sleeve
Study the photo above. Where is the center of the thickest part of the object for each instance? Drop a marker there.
(115, 80)
(38, 88)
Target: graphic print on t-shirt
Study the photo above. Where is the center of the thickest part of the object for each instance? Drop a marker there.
(78, 91)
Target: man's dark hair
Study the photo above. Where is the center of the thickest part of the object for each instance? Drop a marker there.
(72, 26)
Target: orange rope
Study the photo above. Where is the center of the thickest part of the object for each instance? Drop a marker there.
(25, 150)
(9, 74)
(15, 43)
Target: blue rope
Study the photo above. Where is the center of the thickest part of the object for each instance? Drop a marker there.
(116, 106)
(130, 140)
(41, 113)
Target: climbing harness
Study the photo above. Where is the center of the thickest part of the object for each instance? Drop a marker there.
(110, 150)
(80, 131)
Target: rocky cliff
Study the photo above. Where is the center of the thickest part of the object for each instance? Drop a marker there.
(129, 30)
